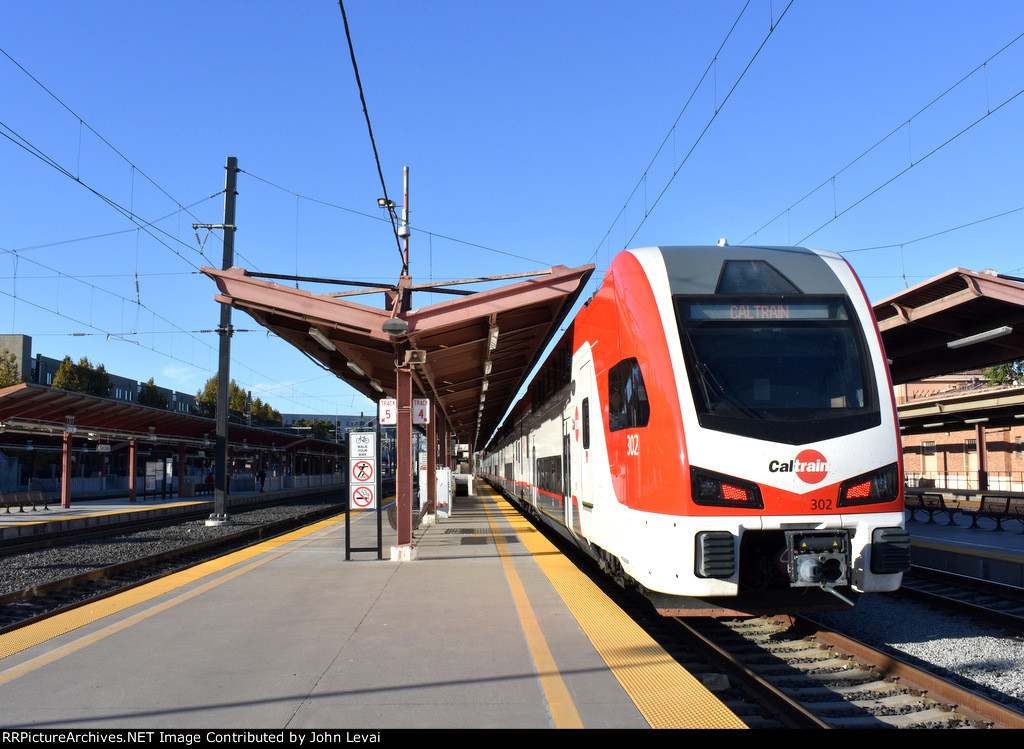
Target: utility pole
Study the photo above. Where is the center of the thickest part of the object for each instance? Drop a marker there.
(220, 469)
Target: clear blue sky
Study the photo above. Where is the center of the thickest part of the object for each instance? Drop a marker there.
(528, 128)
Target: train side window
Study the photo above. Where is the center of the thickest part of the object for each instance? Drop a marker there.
(586, 423)
(628, 406)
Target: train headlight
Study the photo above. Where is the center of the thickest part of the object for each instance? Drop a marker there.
(718, 490)
(871, 488)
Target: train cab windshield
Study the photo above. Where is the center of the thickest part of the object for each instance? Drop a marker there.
(790, 368)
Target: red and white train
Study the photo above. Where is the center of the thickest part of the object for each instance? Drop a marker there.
(717, 427)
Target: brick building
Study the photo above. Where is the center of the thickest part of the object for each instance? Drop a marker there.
(959, 432)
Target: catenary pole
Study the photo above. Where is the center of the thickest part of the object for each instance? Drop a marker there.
(220, 469)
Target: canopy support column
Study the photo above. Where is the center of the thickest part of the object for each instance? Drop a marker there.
(404, 549)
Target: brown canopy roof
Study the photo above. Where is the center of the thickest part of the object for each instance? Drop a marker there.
(479, 347)
(36, 411)
(957, 321)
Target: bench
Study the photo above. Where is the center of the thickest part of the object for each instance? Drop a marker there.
(928, 502)
(21, 499)
(1000, 507)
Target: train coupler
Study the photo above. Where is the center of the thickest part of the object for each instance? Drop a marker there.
(818, 559)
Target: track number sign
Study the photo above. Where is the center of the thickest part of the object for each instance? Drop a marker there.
(387, 411)
(420, 410)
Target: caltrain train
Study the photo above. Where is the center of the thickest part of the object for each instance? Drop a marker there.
(717, 427)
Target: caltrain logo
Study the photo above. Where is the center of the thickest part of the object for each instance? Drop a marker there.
(809, 465)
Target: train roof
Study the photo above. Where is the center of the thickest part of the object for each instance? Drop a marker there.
(725, 269)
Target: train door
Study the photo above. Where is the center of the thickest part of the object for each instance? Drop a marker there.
(531, 470)
(567, 503)
(580, 488)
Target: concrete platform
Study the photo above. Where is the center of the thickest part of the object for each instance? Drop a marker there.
(489, 627)
(982, 552)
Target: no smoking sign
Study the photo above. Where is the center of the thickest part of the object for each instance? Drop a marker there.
(362, 497)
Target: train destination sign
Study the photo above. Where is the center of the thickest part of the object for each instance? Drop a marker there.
(766, 311)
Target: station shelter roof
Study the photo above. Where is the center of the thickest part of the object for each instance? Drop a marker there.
(479, 347)
(954, 322)
(42, 414)
(964, 409)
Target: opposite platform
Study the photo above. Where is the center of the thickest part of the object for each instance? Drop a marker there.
(490, 627)
(978, 552)
(95, 513)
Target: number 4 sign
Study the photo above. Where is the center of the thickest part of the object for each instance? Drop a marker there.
(420, 410)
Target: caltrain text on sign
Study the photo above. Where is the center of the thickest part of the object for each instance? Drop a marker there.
(759, 312)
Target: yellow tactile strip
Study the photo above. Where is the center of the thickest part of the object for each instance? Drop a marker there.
(666, 694)
(54, 626)
(560, 703)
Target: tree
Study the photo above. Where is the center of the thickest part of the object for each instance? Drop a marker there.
(319, 428)
(1005, 374)
(82, 377)
(264, 415)
(67, 377)
(238, 400)
(10, 372)
(94, 380)
(150, 395)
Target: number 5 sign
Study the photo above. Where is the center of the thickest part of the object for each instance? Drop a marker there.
(387, 411)
(420, 410)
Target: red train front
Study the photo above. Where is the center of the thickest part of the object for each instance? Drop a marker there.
(717, 426)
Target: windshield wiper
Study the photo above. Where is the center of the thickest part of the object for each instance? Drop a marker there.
(723, 395)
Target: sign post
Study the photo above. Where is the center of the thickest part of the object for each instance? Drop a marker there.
(363, 485)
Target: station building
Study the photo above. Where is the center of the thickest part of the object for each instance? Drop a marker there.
(960, 432)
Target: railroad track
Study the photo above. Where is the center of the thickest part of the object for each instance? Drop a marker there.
(999, 604)
(788, 672)
(64, 537)
(807, 676)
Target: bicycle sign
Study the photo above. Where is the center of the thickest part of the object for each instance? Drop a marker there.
(362, 445)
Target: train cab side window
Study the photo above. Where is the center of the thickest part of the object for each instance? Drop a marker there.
(627, 397)
(586, 423)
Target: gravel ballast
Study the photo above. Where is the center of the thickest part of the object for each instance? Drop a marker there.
(975, 654)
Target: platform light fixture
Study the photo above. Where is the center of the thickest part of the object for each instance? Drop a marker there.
(988, 335)
(396, 327)
(492, 338)
(316, 335)
(356, 368)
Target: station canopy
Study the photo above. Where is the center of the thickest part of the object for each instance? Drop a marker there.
(42, 414)
(957, 321)
(471, 354)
